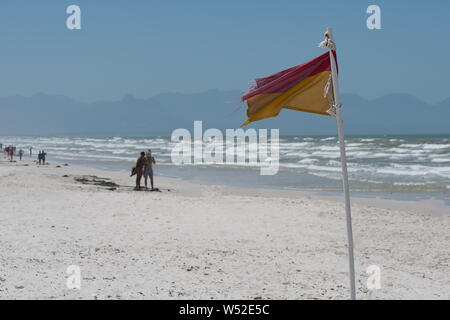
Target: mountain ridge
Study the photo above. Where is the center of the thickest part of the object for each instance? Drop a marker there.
(43, 114)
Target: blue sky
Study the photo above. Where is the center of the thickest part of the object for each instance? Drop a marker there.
(147, 47)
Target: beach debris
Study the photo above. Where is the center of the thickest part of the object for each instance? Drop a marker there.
(192, 268)
(96, 181)
(65, 176)
(19, 287)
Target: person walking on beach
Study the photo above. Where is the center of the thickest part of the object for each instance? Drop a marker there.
(11, 153)
(43, 157)
(20, 154)
(139, 170)
(148, 169)
(31, 152)
(40, 157)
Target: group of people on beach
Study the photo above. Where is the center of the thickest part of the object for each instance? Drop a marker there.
(144, 167)
(11, 151)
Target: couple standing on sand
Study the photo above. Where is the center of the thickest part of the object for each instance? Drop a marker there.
(144, 167)
(41, 157)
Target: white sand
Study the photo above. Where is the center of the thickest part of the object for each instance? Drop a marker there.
(203, 242)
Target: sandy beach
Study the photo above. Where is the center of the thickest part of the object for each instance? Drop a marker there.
(194, 241)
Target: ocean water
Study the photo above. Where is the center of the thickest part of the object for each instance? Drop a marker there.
(377, 164)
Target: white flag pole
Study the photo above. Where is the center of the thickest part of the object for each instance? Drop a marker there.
(337, 102)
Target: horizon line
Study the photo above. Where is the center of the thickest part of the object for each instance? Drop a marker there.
(198, 93)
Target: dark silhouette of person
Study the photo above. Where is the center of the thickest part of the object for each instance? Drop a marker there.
(139, 170)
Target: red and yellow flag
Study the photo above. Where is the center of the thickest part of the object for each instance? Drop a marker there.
(300, 88)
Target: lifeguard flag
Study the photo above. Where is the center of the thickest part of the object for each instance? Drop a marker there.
(301, 88)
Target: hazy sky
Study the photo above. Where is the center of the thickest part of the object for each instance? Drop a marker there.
(147, 47)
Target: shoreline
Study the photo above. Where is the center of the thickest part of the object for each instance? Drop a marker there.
(437, 203)
(394, 167)
(201, 241)
(383, 199)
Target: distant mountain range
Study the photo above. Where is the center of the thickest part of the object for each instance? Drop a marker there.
(43, 114)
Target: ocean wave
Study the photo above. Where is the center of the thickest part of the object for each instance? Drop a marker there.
(436, 146)
(440, 160)
(415, 170)
(367, 140)
(308, 161)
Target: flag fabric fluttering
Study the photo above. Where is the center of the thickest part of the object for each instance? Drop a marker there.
(306, 88)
